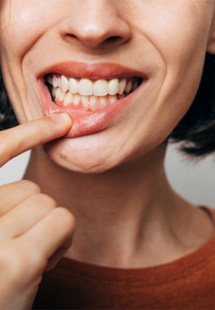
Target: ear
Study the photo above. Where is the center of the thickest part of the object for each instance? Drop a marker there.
(211, 40)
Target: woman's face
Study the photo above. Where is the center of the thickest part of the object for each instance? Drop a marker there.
(93, 49)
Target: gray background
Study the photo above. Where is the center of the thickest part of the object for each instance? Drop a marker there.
(193, 180)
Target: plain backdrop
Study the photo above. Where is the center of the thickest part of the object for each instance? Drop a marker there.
(194, 180)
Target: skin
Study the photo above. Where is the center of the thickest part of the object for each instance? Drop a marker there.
(26, 216)
(129, 216)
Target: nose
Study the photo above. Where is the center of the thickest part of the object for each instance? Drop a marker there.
(96, 24)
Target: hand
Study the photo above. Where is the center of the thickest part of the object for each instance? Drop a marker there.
(34, 231)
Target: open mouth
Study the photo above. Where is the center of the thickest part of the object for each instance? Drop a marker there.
(91, 95)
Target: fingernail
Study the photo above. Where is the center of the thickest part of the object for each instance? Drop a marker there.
(60, 117)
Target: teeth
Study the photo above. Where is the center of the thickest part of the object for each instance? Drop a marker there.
(68, 98)
(113, 87)
(100, 88)
(92, 95)
(61, 96)
(54, 92)
(103, 101)
(50, 79)
(122, 85)
(76, 99)
(64, 84)
(93, 100)
(73, 86)
(88, 102)
(57, 93)
(93, 103)
(85, 101)
(55, 81)
(112, 99)
(85, 87)
(128, 86)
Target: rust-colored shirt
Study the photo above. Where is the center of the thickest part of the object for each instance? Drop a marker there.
(184, 284)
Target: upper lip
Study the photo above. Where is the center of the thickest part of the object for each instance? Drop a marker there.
(91, 71)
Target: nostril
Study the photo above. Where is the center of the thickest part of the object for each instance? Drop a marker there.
(70, 37)
(92, 42)
(113, 39)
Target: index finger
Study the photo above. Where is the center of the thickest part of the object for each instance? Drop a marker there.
(23, 137)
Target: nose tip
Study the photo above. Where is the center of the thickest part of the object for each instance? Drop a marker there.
(97, 27)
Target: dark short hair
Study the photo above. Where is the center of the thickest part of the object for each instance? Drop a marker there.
(195, 131)
(7, 115)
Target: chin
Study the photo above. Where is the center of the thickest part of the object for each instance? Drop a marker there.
(84, 157)
(101, 152)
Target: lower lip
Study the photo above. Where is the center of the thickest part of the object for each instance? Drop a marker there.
(85, 122)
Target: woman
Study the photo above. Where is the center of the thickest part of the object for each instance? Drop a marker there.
(127, 74)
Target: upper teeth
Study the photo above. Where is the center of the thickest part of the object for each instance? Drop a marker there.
(87, 87)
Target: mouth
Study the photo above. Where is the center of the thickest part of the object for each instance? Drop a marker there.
(91, 95)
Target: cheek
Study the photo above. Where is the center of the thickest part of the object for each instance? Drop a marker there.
(177, 29)
(179, 34)
(25, 22)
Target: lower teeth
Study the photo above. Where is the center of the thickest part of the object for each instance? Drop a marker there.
(86, 102)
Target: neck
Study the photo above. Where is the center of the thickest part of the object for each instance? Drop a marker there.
(119, 214)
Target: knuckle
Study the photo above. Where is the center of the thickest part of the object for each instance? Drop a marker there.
(65, 218)
(45, 200)
(30, 186)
